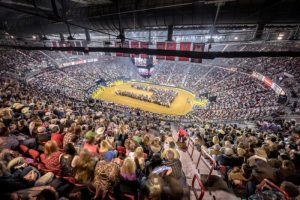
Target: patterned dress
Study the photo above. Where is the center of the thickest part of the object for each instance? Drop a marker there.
(52, 162)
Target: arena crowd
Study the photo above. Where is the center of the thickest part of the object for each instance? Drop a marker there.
(51, 146)
(57, 143)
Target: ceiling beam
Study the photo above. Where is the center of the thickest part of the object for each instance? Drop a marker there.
(177, 53)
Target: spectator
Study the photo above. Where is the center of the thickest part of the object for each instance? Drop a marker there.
(50, 158)
(84, 167)
(67, 160)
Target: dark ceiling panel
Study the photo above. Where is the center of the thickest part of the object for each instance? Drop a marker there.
(103, 14)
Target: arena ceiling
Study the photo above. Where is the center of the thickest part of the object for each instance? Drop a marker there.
(27, 17)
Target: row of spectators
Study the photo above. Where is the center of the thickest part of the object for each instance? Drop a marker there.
(55, 147)
(164, 97)
(208, 78)
(246, 156)
(159, 97)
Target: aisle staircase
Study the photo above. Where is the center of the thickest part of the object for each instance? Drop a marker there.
(193, 167)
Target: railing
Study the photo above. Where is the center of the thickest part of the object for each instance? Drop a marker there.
(211, 164)
(196, 180)
(191, 143)
(204, 155)
(268, 183)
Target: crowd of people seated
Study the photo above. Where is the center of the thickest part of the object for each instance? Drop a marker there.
(142, 97)
(55, 144)
(164, 97)
(215, 77)
(51, 147)
(246, 156)
(13, 61)
(220, 76)
(74, 81)
(40, 57)
(159, 96)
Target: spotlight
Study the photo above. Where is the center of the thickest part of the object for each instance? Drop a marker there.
(236, 38)
(34, 37)
(279, 38)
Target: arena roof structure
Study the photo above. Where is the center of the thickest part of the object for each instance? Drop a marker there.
(225, 20)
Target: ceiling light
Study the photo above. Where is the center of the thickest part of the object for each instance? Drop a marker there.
(281, 34)
(279, 38)
(236, 38)
(34, 37)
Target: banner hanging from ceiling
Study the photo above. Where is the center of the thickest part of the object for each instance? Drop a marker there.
(162, 46)
(198, 47)
(134, 45)
(144, 45)
(171, 46)
(185, 46)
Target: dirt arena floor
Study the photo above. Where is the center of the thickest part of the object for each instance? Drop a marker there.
(182, 104)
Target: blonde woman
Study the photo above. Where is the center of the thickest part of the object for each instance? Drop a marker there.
(128, 178)
(146, 144)
(128, 169)
(215, 140)
(50, 158)
(139, 154)
(84, 167)
(104, 147)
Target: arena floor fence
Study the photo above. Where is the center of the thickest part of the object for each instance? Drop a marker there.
(182, 104)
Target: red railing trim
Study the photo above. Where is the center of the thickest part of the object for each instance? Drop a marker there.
(202, 188)
(270, 183)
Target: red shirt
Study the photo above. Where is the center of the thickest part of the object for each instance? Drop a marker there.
(52, 162)
(58, 138)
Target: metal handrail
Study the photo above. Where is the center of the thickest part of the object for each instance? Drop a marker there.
(267, 182)
(210, 165)
(196, 179)
(191, 143)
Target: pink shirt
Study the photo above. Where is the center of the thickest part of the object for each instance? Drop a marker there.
(91, 148)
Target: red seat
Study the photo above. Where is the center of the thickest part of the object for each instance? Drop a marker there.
(23, 148)
(34, 154)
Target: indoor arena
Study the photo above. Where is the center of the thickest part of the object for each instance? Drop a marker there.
(149, 100)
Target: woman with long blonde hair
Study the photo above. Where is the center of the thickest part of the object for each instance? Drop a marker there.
(139, 154)
(84, 167)
(128, 178)
(105, 146)
(128, 169)
(50, 158)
